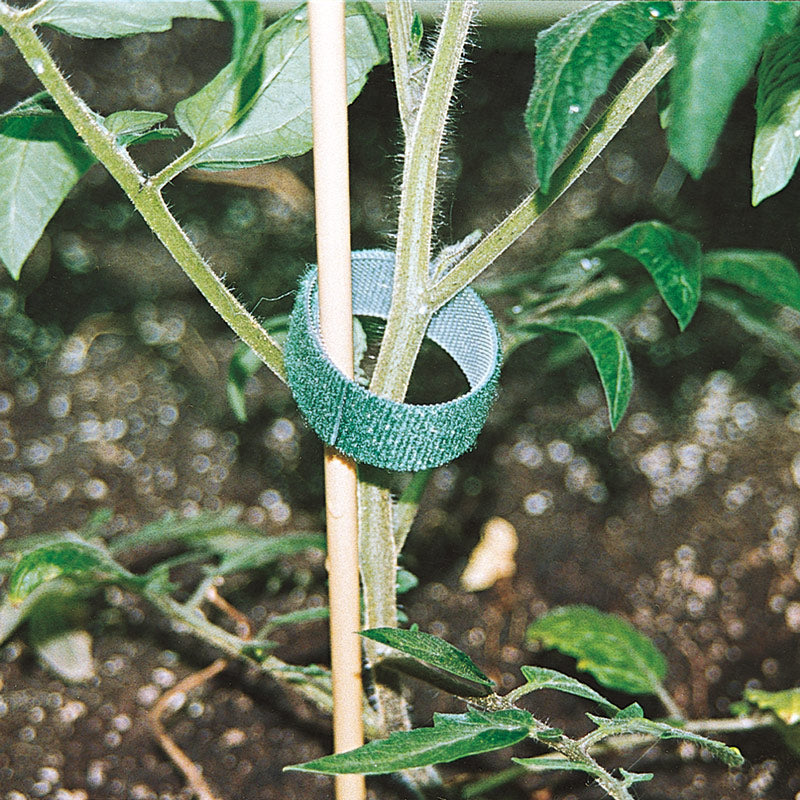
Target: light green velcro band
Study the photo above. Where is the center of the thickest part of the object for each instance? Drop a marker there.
(375, 430)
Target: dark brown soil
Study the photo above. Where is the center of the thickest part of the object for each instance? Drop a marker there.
(685, 520)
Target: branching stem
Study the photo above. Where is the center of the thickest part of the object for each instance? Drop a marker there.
(417, 295)
(411, 309)
(409, 315)
(146, 198)
(574, 165)
(317, 689)
(399, 16)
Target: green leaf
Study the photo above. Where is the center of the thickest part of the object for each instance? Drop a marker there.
(13, 613)
(105, 19)
(415, 38)
(784, 704)
(783, 16)
(755, 316)
(247, 18)
(259, 552)
(244, 364)
(575, 61)
(606, 646)
(173, 527)
(61, 644)
(542, 678)
(41, 159)
(549, 734)
(622, 726)
(40, 104)
(406, 581)
(548, 763)
(672, 258)
(717, 46)
(121, 123)
(610, 355)
(452, 736)
(69, 558)
(298, 617)
(251, 116)
(135, 127)
(759, 272)
(431, 650)
(776, 149)
(633, 711)
(218, 535)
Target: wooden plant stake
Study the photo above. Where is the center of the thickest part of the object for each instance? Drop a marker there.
(332, 200)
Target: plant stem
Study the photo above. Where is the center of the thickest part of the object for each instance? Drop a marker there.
(146, 199)
(316, 689)
(399, 16)
(576, 753)
(185, 160)
(408, 319)
(411, 308)
(378, 562)
(574, 165)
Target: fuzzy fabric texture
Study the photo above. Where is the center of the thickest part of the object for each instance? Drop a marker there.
(372, 429)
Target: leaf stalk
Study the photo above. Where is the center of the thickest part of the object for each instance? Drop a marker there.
(611, 121)
(146, 198)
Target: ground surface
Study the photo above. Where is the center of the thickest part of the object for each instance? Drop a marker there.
(685, 520)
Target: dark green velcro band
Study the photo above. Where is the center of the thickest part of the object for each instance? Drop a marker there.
(372, 429)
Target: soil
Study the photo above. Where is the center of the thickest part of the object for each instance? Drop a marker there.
(685, 520)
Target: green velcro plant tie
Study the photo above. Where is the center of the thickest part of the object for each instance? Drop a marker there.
(372, 429)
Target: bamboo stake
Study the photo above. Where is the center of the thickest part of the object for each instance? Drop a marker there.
(329, 113)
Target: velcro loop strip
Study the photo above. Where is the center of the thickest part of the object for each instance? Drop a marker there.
(375, 430)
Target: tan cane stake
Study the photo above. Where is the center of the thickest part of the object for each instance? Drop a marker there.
(332, 199)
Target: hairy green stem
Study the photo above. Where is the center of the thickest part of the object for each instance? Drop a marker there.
(624, 742)
(574, 165)
(399, 16)
(176, 166)
(315, 689)
(408, 320)
(411, 310)
(576, 753)
(406, 326)
(146, 198)
(377, 555)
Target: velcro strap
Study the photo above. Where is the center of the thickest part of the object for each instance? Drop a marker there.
(372, 429)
